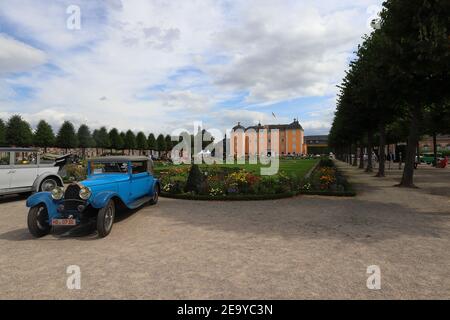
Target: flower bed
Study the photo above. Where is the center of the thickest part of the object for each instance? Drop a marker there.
(222, 182)
(328, 181)
(230, 183)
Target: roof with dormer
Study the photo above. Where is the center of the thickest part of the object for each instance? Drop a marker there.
(294, 125)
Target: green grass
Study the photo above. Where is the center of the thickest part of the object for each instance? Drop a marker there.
(298, 167)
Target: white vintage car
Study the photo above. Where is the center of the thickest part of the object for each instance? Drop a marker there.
(21, 170)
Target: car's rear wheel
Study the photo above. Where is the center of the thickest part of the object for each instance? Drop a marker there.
(38, 221)
(155, 196)
(48, 184)
(105, 219)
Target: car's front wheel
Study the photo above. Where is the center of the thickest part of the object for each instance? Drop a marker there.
(38, 221)
(105, 219)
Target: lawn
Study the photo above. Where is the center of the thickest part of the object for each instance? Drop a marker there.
(297, 167)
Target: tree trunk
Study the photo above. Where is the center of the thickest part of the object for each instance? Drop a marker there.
(369, 152)
(413, 137)
(355, 159)
(382, 153)
(361, 157)
(435, 149)
(350, 154)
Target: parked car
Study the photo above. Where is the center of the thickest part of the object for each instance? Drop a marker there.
(428, 158)
(112, 183)
(21, 170)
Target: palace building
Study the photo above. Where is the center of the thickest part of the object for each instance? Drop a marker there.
(273, 139)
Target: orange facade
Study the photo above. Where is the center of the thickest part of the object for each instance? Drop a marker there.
(269, 139)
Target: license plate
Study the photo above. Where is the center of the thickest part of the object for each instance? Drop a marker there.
(64, 222)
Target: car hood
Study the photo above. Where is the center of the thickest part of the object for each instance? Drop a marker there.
(101, 179)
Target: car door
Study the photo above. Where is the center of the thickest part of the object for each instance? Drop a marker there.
(140, 179)
(24, 170)
(5, 169)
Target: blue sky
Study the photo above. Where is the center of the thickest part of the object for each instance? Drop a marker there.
(158, 66)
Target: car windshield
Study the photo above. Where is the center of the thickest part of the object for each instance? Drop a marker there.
(111, 167)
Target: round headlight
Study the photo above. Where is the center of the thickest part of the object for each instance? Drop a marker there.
(58, 193)
(85, 193)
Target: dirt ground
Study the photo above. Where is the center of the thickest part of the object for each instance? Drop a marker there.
(305, 247)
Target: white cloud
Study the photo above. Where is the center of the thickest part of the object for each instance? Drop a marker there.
(133, 54)
(281, 52)
(16, 56)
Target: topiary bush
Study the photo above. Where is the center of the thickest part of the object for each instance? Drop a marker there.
(194, 181)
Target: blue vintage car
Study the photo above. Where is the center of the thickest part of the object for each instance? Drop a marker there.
(112, 183)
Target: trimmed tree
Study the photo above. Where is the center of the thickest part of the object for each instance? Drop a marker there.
(141, 142)
(123, 136)
(151, 142)
(161, 144)
(2, 133)
(130, 141)
(44, 136)
(115, 139)
(169, 144)
(101, 138)
(67, 138)
(195, 180)
(18, 132)
(84, 138)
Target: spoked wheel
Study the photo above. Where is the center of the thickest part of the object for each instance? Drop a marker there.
(155, 197)
(48, 184)
(105, 219)
(38, 223)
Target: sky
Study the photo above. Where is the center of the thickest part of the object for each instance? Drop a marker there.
(158, 66)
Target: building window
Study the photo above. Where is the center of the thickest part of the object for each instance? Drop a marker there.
(294, 146)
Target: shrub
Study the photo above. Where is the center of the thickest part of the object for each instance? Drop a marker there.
(195, 180)
(75, 172)
(326, 163)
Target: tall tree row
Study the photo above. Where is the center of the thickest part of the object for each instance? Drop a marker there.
(397, 87)
(16, 132)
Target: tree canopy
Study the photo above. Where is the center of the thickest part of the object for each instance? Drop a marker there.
(130, 140)
(18, 132)
(141, 141)
(400, 76)
(67, 138)
(2, 133)
(44, 136)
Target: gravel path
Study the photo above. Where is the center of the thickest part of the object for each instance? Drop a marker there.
(305, 247)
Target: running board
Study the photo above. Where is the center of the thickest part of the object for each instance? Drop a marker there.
(139, 202)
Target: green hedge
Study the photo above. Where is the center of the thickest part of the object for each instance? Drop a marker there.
(257, 197)
(241, 197)
(347, 193)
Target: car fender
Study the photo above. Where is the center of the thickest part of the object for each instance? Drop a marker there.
(42, 176)
(155, 183)
(102, 198)
(46, 199)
